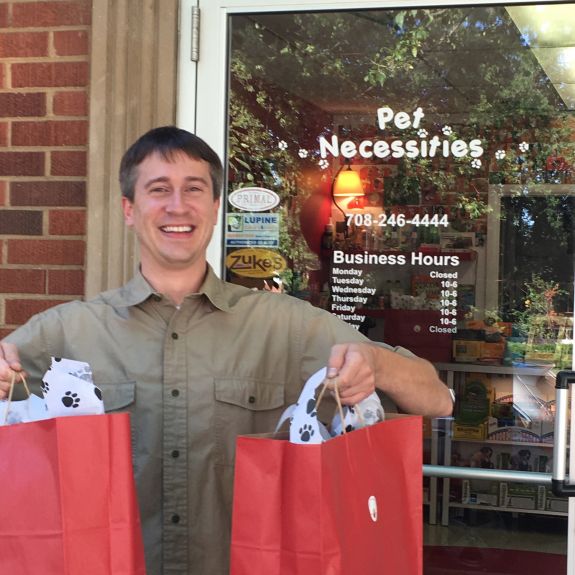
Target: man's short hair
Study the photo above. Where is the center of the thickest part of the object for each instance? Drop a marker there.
(168, 141)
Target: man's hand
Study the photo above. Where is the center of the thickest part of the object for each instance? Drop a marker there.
(353, 367)
(9, 363)
(410, 382)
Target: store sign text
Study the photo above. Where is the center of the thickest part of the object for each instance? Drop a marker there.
(255, 262)
(254, 199)
(423, 147)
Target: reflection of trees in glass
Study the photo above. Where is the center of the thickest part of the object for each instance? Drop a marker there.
(537, 241)
(298, 76)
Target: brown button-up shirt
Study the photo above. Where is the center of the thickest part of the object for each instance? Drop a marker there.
(224, 363)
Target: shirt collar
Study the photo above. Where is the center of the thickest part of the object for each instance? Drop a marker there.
(138, 290)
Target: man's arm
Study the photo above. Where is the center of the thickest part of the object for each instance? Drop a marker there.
(410, 382)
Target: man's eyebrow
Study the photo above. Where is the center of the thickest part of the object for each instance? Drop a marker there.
(166, 180)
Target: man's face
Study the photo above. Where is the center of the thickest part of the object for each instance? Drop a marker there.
(173, 213)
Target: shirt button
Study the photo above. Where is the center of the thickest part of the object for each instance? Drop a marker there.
(174, 335)
(252, 399)
(175, 454)
(175, 518)
(175, 392)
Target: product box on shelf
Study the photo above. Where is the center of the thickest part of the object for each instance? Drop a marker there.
(471, 496)
(475, 396)
(559, 504)
(519, 496)
(468, 431)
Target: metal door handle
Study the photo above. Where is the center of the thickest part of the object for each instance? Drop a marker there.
(559, 484)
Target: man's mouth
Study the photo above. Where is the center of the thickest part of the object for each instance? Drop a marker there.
(177, 229)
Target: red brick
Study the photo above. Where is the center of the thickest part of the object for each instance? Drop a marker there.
(66, 282)
(68, 164)
(23, 44)
(21, 163)
(3, 134)
(71, 43)
(43, 193)
(2, 193)
(3, 15)
(71, 104)
(22, 281)
(51, 14)
(67, 223)
(5, 332)
(64, 252)
(21, 222)
(2, 75)
(15, 105)
(47, 74)
(19, 311)
(48, 133)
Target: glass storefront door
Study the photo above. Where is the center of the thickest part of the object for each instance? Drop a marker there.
(410, 169)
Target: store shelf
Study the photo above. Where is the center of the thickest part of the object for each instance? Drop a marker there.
(495, 369)
(499, 442)
(479, 506)
(501, 381)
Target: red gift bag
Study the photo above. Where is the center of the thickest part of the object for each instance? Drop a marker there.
(349, 506)
(67, 498)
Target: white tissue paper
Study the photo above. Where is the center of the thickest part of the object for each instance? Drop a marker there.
(305, 428)
(67, 389)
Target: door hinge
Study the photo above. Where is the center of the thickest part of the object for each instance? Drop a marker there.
(195, 47)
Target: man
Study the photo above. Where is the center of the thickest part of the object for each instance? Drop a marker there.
(198, 361)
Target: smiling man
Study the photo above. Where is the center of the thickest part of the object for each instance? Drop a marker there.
(198, 361)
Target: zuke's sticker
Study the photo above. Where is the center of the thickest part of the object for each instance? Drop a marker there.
(254, 199)
(255, 262)
(372, 506)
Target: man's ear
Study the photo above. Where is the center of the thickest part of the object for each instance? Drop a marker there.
(216, 209)
(127, 208)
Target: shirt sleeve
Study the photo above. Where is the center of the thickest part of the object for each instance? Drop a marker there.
(31, 341)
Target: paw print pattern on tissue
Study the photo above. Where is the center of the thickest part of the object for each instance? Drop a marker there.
(310, 408)
(306, 432)
(476, 163)
(500, 154)
(422, 133)
(447, 130)
(302, 153)
(71, 399)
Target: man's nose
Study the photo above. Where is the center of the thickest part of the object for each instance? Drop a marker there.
(176, 202)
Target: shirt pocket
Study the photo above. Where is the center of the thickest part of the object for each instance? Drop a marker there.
(118, 396)
(244, 406)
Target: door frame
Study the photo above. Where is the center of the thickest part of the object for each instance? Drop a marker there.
(202, 99)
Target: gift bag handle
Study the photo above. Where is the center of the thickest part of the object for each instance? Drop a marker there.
(9, 398)
(338, 401)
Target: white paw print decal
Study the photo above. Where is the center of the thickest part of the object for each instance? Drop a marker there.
(282, 145)
(447, 130)
(323, 164)
(500, 154)
(422, 133)
(302, 153)
(476, 163)
(524, 146)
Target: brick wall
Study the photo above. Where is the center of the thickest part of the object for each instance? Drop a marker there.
(44, 72)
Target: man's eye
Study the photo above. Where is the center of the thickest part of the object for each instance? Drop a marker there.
(158, 190)
(194, 189)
